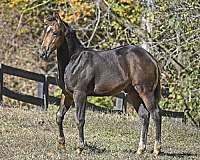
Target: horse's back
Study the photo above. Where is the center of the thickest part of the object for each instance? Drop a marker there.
(122, 66)
(132, 60)
(134, 63)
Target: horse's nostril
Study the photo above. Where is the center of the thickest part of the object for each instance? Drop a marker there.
(45, 57)
(41, 55)
(42, 52)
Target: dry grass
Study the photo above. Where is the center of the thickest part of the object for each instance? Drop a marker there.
(30, 134)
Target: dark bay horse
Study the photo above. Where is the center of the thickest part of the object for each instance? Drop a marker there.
(86, 72)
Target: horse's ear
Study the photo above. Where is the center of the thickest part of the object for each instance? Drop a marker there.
(67, 29)
(46, 20)
(49, 19)
(57, 17)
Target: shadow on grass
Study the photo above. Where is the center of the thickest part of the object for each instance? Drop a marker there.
(94, 149)
(178, 155)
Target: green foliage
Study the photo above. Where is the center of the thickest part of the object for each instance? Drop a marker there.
(174, 29)
(132, 12)
(102, 101)
(174, 35)
(57, 92)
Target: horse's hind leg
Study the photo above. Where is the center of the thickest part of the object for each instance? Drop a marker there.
(156, 115)
(149, 100)
(144, 119)
(64, 107)
(136, 101)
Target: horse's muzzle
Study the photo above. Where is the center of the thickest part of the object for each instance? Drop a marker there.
(44, 54)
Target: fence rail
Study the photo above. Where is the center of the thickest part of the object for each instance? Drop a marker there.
(46, 80)
(46, 99)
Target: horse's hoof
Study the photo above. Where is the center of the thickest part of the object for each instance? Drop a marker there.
(157, 149)
(61, 146)
(156, 152)
(140, 151)
(79, 150)
(61, 143)
(61, 140)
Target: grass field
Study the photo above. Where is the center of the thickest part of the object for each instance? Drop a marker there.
(32, 135)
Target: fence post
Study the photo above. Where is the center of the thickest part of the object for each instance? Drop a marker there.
(119, 104)
(40, 89)
(1, 83)
(45, 92)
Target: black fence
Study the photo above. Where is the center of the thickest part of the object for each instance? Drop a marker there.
(46, 80)
(47, 99)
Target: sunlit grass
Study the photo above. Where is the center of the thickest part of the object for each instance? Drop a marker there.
(30, 134)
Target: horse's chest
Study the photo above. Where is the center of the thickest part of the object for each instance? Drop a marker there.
(77, 77)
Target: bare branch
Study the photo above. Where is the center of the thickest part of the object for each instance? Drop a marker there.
(97, 23)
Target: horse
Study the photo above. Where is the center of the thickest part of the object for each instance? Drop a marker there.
(87, 72)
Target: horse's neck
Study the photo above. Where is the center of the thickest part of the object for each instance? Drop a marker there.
(70, 46)
(74, 45)
(63, 59)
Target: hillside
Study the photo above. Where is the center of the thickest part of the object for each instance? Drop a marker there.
(30, 134)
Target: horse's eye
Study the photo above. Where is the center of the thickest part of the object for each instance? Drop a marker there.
(55, 33)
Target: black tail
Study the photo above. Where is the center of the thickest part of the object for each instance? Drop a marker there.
(157, 92)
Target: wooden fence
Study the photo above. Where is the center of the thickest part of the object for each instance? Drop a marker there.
(46, 99)
(46, 80)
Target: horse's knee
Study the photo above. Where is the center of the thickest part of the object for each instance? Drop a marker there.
(61, 113)
(59, 118)
(143, 112)
(156, 114)
(80, 122)
(144, 115)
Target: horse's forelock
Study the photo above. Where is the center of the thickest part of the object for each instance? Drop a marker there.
(51, 18)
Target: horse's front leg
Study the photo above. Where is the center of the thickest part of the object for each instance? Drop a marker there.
(80, 104)
(64, 107)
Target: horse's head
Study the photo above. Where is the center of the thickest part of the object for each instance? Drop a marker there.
(53, 36)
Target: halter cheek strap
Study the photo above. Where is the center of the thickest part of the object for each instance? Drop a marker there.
(48, 28)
